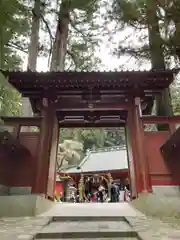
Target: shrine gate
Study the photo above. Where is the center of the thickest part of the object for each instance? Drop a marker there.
(87, 99)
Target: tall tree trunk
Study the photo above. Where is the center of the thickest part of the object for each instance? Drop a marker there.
(61, 38)
(174, 13)
(176, 41)
(1, 50)
(163, 101)
(33, 52)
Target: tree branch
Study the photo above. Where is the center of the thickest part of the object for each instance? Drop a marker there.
(61, 163)
(50, 36)
(135, 52)
(16, 46)
(78, 30)
(72, 57)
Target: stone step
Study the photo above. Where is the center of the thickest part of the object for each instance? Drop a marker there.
(87, 229)
(95, 235)
(126, 238)
(88, 218)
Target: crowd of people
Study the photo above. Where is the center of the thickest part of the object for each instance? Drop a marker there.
(101, 192)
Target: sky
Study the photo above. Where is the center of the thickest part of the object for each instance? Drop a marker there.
(109, 62)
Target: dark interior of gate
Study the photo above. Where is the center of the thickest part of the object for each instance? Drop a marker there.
(81, 99)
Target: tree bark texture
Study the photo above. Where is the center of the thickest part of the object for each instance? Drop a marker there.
(163, 101)
(33, 52)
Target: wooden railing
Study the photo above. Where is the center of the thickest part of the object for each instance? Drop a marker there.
(18, 122)
(171, 121)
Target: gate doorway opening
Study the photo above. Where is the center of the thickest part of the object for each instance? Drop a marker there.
(96, 157)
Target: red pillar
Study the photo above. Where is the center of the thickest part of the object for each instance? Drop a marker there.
(44, 147)
(142, 174)
(51, 178)
(131, 155)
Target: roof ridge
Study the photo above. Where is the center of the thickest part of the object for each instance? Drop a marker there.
(104, 71)
(104, 161)
(67, 167)
(84, 160)
(108, 149)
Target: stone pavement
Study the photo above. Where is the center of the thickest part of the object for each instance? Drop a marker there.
(153, 229)
(74, 221)
(147, 228)
(139, 227)
(93, 209)
(22, 228)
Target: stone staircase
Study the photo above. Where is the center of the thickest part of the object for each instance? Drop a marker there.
(85, 227)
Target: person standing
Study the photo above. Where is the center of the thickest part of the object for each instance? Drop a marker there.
(121, 197)
(101, 193)
(127, 190)
(117, 191)
(113, 192)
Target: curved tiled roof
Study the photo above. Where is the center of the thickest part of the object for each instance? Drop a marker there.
(102, 160)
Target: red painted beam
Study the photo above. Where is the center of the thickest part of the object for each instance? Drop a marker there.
(75, 106)
(160, 119)
(94, 106)
(22, 121)
(39, 92)
(91, 124)
(108, 115)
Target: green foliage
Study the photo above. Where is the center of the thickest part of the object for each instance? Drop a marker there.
(154, 30)
(14, 27)
(10, 102)
(138, 15)
(94, 138)
(175, 94)
(133, 15)
(70, 152)
(74, 143)
(83, 36)
(89, 7)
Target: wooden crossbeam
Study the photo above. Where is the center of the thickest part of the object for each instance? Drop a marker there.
(22, 121)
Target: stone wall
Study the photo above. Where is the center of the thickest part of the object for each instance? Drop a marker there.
(9, 191)
(167, 191)
(23, 205)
